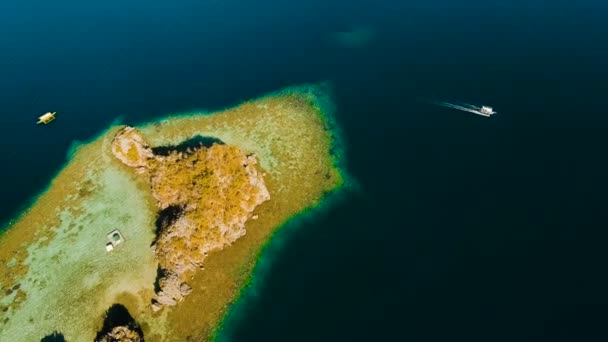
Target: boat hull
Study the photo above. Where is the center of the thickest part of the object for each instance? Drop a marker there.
(46, 118)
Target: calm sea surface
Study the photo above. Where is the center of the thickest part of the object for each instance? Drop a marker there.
(464, 228)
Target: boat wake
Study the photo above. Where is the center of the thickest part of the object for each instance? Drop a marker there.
(465, 107)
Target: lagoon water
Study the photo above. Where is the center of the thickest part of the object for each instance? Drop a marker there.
(461, 227)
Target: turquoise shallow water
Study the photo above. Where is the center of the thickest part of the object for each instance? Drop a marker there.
(463, 228)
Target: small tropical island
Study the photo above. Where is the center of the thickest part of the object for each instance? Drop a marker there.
(210, 192)
(164, 222)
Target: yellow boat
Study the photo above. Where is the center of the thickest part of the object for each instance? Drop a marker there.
(46, 118)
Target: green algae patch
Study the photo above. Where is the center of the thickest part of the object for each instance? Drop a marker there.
(56, 275)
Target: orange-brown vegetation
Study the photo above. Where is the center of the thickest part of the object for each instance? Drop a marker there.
(216, 190)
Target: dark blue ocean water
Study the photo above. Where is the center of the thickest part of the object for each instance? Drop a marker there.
(464, 228)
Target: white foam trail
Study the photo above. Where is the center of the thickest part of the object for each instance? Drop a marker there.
(465, 107)
(468, 105)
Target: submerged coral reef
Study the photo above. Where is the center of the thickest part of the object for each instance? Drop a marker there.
(191, 204)
(119, 326)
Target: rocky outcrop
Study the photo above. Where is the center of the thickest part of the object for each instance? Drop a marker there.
(119, 326)
(131, 149)
(121, 334)
(216, 188)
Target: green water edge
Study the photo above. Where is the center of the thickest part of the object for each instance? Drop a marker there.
(320, 95)
(274, 245)
(247, 297)
(71, 151)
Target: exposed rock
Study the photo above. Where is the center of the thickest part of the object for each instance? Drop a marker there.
(122, 334)
(217, 189)
(156, 306)
(171, 290)
(119, 326)
(131, 148)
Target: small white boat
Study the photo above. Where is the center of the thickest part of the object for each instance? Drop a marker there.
(46, 118)
(465, 107)
(487, 111)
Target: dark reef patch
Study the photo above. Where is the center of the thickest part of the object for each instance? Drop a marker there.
(160, 273)
(54, 337)
(166, 217)
(187, 146)
(118, 316)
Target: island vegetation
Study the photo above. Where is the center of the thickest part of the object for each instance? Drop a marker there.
(211, 193)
